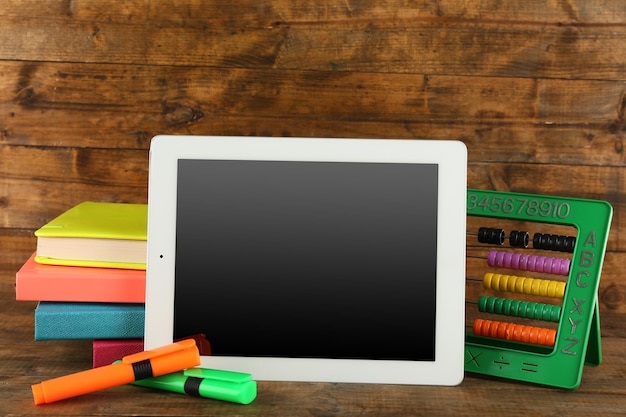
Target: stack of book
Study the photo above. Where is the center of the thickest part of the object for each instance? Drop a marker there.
(89, 277)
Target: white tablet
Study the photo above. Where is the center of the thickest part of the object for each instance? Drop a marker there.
(309, 259)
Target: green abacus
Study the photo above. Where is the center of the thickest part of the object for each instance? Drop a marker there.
(577, 340)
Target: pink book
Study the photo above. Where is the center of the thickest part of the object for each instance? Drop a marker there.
(39, 282)
(105, 352)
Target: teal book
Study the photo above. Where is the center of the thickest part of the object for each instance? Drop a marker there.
(61, 321)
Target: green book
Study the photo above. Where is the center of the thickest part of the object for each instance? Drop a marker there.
(96, 234)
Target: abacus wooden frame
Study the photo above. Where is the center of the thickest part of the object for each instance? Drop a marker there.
(578, 332)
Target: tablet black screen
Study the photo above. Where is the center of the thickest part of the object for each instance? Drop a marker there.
(307, 259)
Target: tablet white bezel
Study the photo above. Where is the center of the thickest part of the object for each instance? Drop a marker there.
(450, 156)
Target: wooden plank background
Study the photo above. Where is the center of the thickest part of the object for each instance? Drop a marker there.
(535, 89)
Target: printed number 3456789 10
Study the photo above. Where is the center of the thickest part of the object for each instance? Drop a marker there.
(518, 205)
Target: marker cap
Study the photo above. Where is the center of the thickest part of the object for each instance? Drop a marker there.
(38, 394)
(224, 385)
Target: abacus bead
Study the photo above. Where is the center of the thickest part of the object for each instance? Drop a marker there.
(532, 261)
(519, 239)
(491, 236)
(554, 242)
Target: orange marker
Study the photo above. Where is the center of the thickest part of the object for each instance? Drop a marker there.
(164, 360)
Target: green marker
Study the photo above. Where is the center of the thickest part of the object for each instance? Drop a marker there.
(235, 387)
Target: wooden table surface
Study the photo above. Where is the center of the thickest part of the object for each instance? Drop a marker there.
(535, 89)
(24, 362)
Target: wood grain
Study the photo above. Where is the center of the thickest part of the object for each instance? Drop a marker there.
(320, 39)
(535, 89)
(110, 106)
(258, 13)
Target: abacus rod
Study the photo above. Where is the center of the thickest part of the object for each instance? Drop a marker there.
(525, 262)
(522, 285)
(518, 308)
(496, 236)
(545, 241)
(514, 332)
